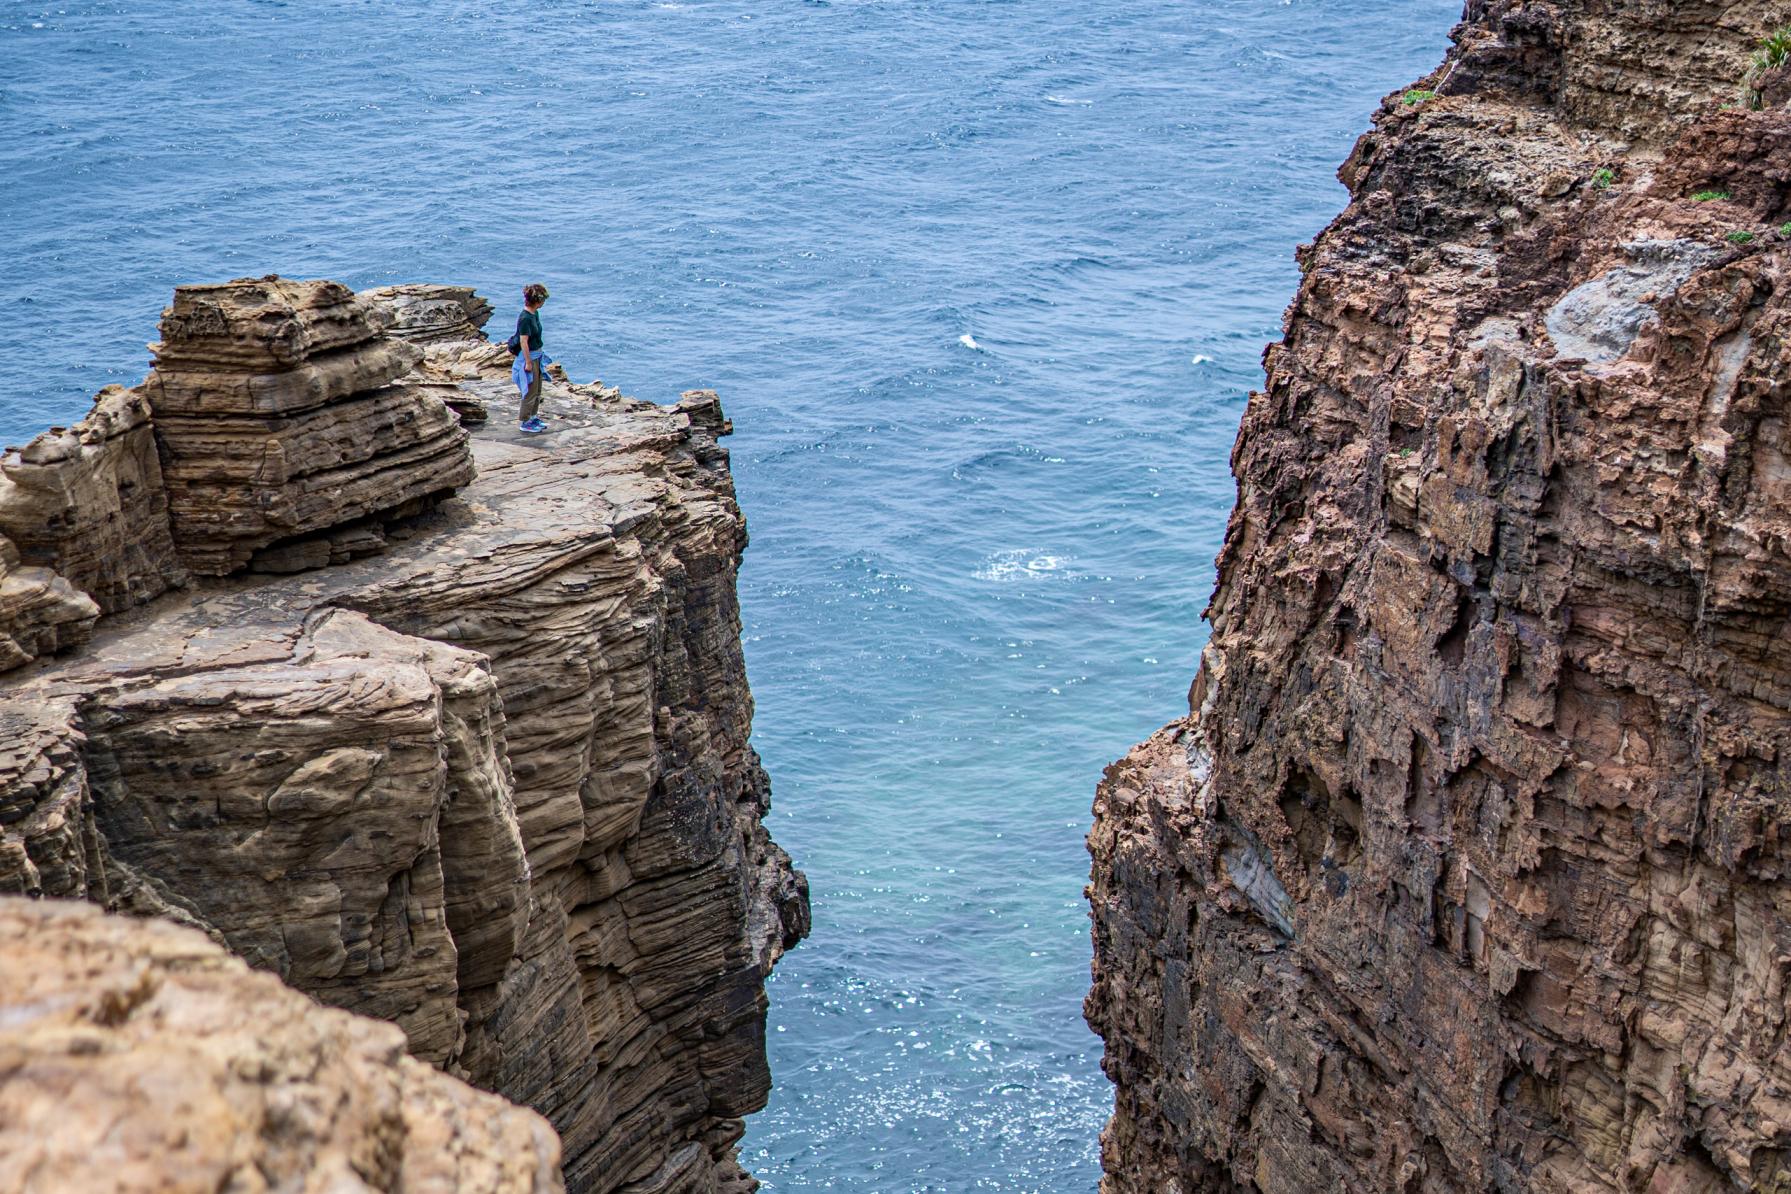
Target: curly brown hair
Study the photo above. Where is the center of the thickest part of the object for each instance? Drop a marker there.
(534, 294)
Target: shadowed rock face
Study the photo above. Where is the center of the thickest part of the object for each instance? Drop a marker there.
(40, 612)
(140, 1057)
(491, 784)
(1465, 871)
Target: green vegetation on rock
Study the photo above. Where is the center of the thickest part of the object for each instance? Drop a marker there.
(1774, 52)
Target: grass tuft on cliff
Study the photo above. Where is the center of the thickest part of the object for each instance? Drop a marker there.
(1418, 95)
(1709, 196)
(1774, 52)
(1740, 238)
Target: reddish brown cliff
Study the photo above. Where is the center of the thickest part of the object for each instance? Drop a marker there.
(1466, 870)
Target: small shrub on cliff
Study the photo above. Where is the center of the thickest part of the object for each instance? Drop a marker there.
(1785, 231)
(1709, 196)
(1774, 52)
(1416, 96)
(1603, 177)
(1740, 238)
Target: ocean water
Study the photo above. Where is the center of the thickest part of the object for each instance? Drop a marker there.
(983, 284)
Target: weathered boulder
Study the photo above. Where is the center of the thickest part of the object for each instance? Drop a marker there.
(137, 1056)
(431, 314)
(276, 421)
(88, 503)
(40, 612)
(1465, 871)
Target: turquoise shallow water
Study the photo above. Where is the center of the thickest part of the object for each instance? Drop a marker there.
(983, 285)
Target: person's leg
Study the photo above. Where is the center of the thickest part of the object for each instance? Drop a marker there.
(531, 401)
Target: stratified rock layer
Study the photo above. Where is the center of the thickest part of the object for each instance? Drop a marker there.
(139, 1058)
(275, 421)
(425, 314)
(88, 502)
(40, 612)
(487, 778)
(1466, 871)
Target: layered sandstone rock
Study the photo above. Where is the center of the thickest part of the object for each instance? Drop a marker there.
(40, 612)
(276, 421)
(1466, 871)
(136, 1056)
(83, 528)
(88, 503)
(428, 314)
(492, 785)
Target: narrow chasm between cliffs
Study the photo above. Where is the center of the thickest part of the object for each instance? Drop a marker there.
(1465, 870)
(306, 649)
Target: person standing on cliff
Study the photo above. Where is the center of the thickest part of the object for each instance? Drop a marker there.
(530, 360)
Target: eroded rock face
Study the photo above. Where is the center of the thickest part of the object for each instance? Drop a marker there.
(1465, 871)
(40, 612)
(276, 421)
(491, 784)
(137, 1056)
(429, 314)
(88, 503)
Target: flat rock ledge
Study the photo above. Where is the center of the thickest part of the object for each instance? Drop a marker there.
(140, 1058)
(458, 740)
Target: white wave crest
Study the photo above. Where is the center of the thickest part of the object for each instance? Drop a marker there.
(1023, 565)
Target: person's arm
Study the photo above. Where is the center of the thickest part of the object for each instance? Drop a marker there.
(528, 362)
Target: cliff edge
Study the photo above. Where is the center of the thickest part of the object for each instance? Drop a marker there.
(438, 722)
(1466, 870)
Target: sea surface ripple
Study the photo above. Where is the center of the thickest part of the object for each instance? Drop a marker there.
(983, 283)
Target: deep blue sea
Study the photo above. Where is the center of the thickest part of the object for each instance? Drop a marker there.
(983, 284)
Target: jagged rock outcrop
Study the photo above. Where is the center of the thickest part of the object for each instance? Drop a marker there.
(275, 421)
(88, 503)
(491, 784)
(1466, 870)
(40, 612)
(425, 314)
(136, 1056)
(83, 528)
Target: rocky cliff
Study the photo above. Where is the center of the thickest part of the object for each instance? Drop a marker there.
(1466, 869)
(444, 726)
(139, 1057)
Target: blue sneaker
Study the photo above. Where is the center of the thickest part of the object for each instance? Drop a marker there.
(532, 427)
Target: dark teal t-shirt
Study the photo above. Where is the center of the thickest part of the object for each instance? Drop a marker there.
(529, 324)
